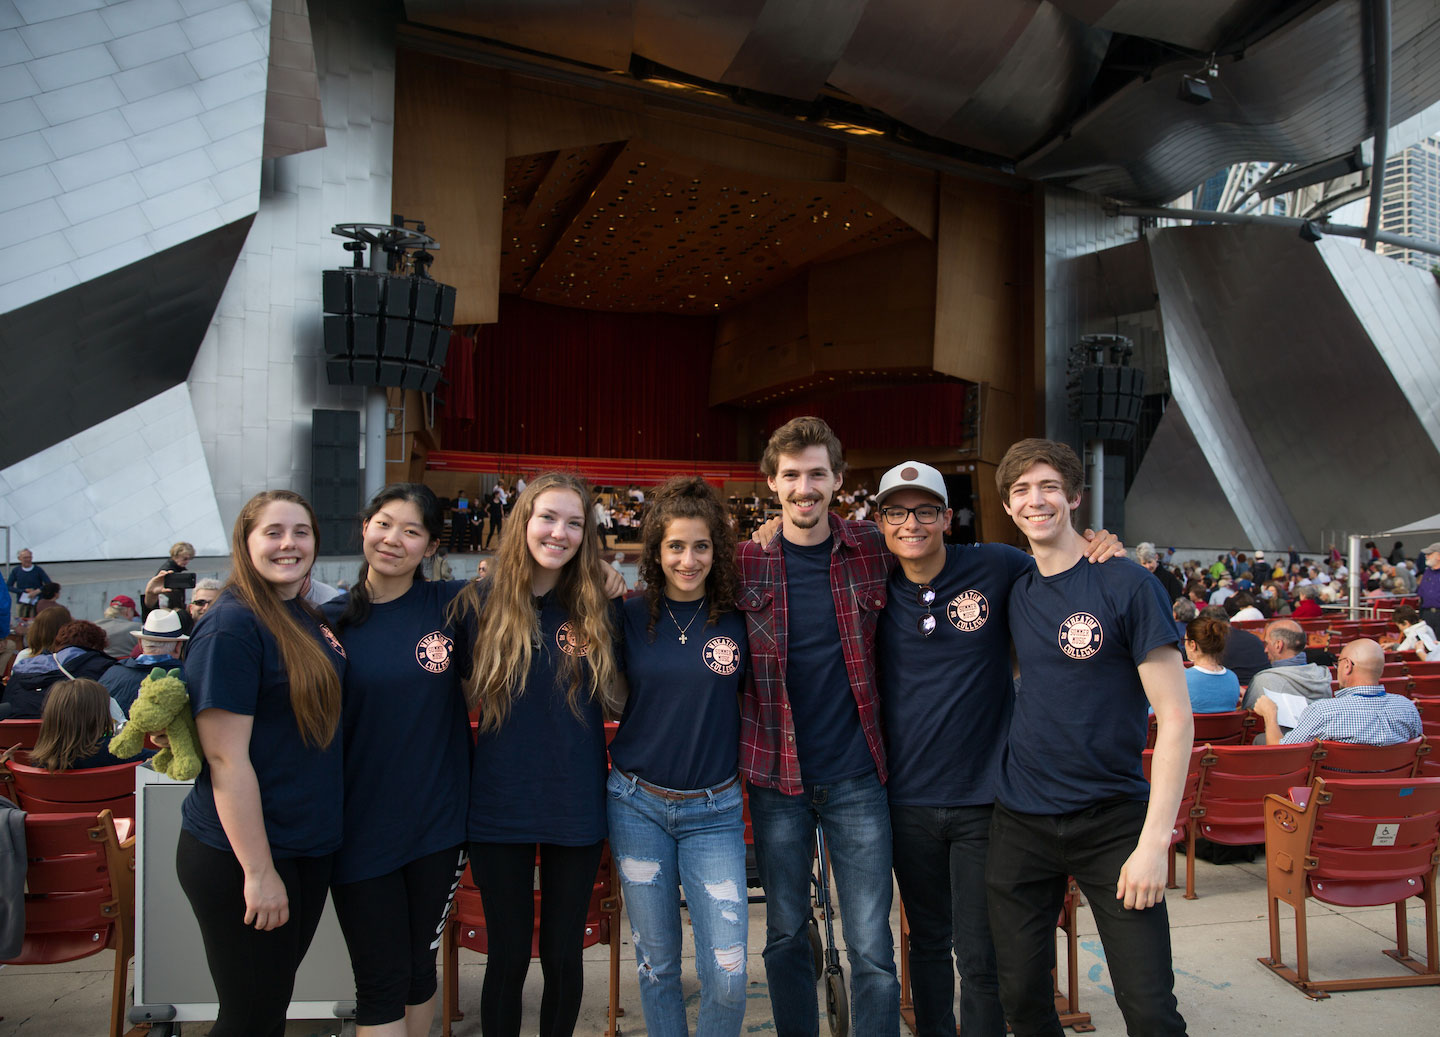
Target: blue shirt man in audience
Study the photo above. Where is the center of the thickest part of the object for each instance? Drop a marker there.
(1095, 644)
(1361, 711)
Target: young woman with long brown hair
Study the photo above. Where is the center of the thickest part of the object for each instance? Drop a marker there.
(675, 810)
(262, 824)
(75, 728)
(543, 666)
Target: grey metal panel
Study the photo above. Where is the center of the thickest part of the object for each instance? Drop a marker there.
(1399, 307)
(596, 32)
(1203, 389)
(700, 36)
(1197, 24)
(1299, 95)
(793, 46)
(1175, 497)
(1285, 389)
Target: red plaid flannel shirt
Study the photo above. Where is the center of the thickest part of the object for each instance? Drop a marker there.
(860, 563)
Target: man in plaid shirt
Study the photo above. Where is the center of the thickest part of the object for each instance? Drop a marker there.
(1361, 710)
(810, 743)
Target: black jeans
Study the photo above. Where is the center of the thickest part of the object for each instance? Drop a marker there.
(254, 971)
(393, 925)
(940, 867)
(1030, 857)
(505, 873)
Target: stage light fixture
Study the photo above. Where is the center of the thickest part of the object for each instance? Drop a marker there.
(1195, 90)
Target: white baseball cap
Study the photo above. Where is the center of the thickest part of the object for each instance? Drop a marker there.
(912, 475)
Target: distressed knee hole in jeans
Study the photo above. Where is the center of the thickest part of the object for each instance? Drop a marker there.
(730, 959)
(644, 969)
(640, 872)
(727, 891)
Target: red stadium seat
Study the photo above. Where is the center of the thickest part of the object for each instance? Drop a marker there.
(466, 928)
(1361, 843)
(66, 792)
(1347, 760)
(79, 896)
(1185, 818)
(1237, 780)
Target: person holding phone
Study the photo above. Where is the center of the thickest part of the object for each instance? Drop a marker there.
(171, 580)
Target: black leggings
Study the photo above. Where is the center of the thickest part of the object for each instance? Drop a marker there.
(505, 873)
(392, 925)
(254, 971)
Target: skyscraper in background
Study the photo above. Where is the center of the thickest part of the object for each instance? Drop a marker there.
(1411, 204)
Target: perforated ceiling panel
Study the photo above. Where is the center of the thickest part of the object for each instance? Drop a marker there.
(634, 228)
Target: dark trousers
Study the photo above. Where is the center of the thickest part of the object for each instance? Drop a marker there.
(940, 866)
(392, 925)
(254, 971)
(505, 873)
(1030, 857)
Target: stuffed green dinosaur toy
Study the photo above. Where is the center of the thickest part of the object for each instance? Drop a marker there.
(163, 705)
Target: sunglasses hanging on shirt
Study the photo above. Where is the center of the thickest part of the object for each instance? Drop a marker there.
(925, 595)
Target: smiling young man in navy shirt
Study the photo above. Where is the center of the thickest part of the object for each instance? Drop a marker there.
(1095, 645)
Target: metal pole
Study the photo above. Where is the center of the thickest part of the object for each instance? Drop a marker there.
(1161, 212)
(376, 408)
(1354, 564)
(1380, 29)
(1095, 467)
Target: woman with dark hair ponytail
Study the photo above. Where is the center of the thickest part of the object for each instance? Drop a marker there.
(675, 807)
(403, 849)
(260, 827)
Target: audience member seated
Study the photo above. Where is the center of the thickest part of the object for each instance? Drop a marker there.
(1361, 711)
(49, 598)
(1213, 688)
(40, 637)
(1182, 610)
(1291, 682)
(1244, 652)
(161, 641)
(75, 729)
(1308, 607)
(78, 651)
(206, 591)
(1147, 556)
(1241, 607)
(118, 624)
(1223, 592)
(1416, 635)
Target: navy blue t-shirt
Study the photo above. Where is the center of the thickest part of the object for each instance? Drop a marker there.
(1081, 715)
(233, 663)
(681, 726)
(947, 697)
(829, 741)
(407, 736)
(541, 777)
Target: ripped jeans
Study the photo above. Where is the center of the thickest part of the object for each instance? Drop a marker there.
(659, 845)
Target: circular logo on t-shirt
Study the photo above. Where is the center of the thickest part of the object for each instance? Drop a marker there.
(1081, 636)
(968, 611)
(433, 652)
(570, 641)
(722, 655)
(333, 641)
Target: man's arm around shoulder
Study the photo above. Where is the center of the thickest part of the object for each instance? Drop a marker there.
(1142, 879)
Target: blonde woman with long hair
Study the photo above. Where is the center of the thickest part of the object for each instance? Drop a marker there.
(544, 669)
(262, 824)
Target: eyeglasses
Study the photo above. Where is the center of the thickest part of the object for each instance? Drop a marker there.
(202, 603)
(925, 514)
(925, 595)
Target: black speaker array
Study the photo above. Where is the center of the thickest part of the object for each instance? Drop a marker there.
(335, 477)
(1110, 400)
(386, 330)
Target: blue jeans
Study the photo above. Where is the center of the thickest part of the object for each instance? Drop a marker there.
(660, 844)
(856, 816)
(940, 866)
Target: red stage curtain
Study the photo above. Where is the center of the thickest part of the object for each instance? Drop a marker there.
(554, 380)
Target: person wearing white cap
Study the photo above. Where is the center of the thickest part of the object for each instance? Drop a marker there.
(162, 641)
(943, 657)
